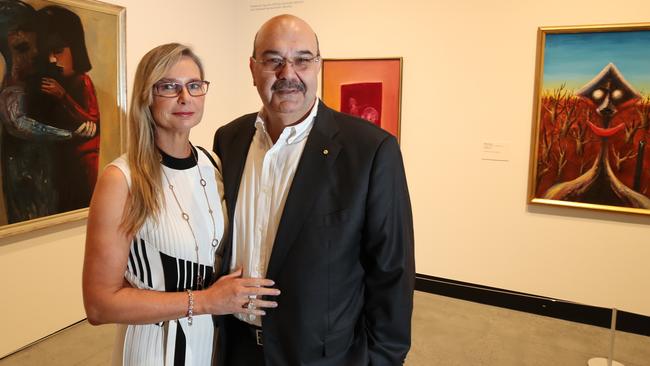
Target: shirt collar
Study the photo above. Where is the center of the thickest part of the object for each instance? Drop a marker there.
(291, 134)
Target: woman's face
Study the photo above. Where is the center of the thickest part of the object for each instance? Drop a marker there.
(180, 113)
(62, 57)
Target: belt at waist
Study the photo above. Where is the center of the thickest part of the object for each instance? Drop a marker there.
(253, 330)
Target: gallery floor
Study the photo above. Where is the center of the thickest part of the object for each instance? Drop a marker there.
(446, 332)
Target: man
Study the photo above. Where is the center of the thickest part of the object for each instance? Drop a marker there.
(318, 202)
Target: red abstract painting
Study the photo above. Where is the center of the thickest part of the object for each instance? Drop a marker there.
(362, 100)
(367, 88)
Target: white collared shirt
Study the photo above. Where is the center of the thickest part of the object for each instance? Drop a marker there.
(263, 191)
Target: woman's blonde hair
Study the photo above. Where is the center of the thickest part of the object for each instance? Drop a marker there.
(141, 152)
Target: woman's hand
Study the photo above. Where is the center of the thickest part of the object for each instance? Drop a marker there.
(231, 294)
(87, 129)
(52, 87)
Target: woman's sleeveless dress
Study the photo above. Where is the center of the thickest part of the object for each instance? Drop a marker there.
(163, 258)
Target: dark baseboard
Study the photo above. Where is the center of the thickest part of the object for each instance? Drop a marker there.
(540, 305)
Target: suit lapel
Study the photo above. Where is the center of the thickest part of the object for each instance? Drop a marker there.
(234, 163)
(233, 168)
(319, 154)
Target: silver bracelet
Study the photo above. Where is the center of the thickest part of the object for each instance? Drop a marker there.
(190, 307)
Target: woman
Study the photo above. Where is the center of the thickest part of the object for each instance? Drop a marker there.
(156, 220)
(71, 104)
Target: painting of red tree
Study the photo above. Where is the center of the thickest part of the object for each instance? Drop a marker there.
(592, 120)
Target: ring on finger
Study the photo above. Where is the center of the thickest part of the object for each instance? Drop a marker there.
(251, 303)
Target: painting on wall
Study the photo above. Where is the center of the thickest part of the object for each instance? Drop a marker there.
(592, 118)
(367, 88)
(62, 107)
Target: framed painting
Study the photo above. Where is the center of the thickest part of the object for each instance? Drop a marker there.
(62, 107)
(591, 118)
(367, 88)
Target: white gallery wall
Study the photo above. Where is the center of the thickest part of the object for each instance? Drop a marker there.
(468, 79)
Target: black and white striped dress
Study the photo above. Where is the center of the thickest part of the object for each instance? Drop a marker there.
(163, 258)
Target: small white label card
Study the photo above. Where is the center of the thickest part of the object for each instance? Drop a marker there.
(257, 5)
(495, 151)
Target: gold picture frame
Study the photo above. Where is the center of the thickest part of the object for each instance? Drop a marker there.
(71, 117)
(591, 118)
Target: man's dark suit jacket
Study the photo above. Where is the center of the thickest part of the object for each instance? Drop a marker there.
(343, 254)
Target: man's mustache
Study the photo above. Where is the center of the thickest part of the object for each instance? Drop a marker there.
(281, 85)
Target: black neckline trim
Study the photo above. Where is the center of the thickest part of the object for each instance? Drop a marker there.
(179, 163)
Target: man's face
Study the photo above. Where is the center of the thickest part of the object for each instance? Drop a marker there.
(23, 49)
(286, 91)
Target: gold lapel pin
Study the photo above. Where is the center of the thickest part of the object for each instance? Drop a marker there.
(325, 152)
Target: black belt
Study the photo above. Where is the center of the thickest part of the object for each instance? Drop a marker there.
(255, 331)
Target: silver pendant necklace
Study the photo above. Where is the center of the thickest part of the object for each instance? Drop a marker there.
(200, 281)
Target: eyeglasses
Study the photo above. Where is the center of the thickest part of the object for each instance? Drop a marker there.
(170, 89)
(274, 64)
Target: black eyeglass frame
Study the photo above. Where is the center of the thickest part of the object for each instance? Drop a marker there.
(180, 90)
